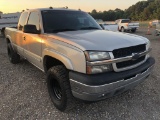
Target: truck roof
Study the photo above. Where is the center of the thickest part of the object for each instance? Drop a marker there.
(42, 9)
(123, 19)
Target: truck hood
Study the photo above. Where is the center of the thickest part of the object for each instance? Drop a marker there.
(99, 40)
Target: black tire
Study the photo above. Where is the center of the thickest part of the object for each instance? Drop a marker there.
(14, 58)
(2, 32)
(119, 29)
(59, 88)
(122, 29)
(133, 31)
(156, 33)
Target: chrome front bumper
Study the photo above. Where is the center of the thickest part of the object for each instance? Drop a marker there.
(99, 92)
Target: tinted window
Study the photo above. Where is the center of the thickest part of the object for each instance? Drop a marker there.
(125, 21)
(22, 20)
(34, 19)
(67, 20)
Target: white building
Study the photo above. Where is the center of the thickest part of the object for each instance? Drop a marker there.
(8, 20)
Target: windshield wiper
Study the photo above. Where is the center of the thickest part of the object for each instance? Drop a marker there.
(62, 30)
(88, 28)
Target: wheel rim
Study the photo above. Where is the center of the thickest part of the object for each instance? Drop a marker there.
(122, 29)
(56, 89)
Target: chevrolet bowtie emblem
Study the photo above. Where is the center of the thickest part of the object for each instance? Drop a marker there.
(135, 56)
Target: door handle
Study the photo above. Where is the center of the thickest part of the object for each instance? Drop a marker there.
(24, 38)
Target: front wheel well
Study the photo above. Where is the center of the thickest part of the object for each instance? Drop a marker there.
(49, 62)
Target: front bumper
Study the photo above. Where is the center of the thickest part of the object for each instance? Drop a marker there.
(101, 86)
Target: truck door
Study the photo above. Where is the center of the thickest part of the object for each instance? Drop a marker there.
(19, 36)
(33, 49)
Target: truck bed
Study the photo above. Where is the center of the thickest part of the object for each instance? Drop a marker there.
(12, 32)
(133, 24)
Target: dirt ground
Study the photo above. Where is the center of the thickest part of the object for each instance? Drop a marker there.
(24, 96)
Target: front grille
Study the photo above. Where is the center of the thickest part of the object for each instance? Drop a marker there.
(129, 63)
(123, 52)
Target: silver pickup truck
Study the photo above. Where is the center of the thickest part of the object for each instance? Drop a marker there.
(127, 25)
(80, 59)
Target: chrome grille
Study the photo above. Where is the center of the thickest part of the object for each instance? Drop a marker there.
(129, 63)
(123, 52)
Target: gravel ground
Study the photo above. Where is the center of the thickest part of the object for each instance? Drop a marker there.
(23, 94)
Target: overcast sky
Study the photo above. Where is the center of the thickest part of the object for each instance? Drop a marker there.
(8, 6)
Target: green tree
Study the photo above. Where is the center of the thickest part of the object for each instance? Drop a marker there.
(143, 10)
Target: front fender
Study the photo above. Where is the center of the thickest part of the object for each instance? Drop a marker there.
(59, 56)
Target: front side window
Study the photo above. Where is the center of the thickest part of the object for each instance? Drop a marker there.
(62, 20)
(34, 20)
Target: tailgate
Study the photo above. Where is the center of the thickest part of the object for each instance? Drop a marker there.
(133, 24)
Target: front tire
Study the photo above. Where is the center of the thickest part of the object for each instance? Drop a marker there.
(59, 88)
(14, 58)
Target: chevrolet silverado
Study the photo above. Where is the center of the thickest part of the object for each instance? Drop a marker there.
(81, 59)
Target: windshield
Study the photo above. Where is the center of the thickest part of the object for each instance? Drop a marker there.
(62, 20)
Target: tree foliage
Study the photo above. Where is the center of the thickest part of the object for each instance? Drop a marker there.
(143, 10)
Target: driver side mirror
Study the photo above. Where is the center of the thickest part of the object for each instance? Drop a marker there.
(31, 29)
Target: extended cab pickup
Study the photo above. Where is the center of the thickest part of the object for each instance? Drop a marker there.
(80, 59)
(127, 25)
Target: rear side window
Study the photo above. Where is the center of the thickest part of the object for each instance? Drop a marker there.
(125, 21)
(34, 20)
(22, 20)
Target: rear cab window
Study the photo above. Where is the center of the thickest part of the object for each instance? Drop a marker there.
(34, 19)
(125, 21)
(22, 20)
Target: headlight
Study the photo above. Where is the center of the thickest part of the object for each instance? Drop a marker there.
(97, 56)
(93, 56)
(148, 45)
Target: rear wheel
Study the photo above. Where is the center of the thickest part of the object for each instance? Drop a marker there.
(156, 33)
(59, 88)
(14, 58)
(122, 29)
(2, 32)
(133, 30)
